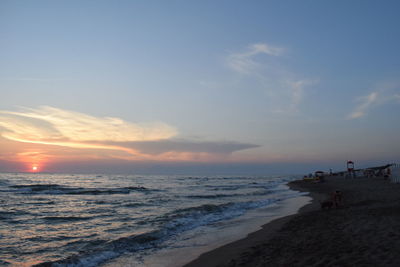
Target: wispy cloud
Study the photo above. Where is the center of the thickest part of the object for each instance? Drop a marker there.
(285, 88)
(365, 103)
(57, 127)
(384, 93)
(245, 62)
(297, 92)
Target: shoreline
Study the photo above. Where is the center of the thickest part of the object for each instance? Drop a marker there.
(222, 255)
(226, 233)
(361, 232)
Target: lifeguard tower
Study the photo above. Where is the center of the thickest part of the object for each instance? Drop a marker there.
(350, 169)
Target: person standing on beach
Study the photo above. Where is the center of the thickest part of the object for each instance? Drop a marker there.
(337, 198)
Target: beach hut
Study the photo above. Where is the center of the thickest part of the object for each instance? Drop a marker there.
(384, 170)
(395, 173)
(319, 176)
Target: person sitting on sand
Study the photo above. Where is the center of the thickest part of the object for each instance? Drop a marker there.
(337, 198)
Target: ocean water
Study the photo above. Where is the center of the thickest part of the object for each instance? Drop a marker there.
(100, 220)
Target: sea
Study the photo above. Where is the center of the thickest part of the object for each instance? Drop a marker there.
(132, 220)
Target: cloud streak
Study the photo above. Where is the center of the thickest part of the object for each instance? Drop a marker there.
(57, 127)
(181, 145)
(54, 123)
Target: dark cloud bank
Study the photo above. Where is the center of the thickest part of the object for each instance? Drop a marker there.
(163, 146)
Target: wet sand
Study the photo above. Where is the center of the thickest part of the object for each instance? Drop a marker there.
(364, 231)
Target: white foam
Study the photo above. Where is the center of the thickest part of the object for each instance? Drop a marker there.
(189, 245)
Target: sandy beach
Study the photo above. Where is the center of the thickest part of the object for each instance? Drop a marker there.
(364, 231)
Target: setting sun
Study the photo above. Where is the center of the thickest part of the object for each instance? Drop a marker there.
(34, 168)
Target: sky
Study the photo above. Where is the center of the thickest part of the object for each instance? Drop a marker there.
(253, 87)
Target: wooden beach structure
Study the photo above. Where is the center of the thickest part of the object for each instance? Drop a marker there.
(388, 171)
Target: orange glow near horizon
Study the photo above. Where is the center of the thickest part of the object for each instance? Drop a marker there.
(33, 161)
(37, 138)
(35, 168)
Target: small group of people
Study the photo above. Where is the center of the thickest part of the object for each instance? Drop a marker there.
(335, 202)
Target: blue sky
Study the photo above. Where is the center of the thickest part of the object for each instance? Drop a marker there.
(244, 82)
